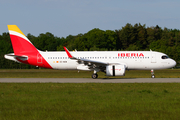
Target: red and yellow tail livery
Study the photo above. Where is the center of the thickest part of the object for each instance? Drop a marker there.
(24, 50)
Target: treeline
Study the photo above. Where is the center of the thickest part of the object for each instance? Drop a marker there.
(130, 37)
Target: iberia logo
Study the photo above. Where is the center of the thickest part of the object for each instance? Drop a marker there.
(130, 55)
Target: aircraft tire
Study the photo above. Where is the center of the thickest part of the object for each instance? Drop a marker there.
(153, 76)
(94, 76)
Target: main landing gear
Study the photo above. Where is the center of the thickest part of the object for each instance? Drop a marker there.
(152, 74)
(95, 75)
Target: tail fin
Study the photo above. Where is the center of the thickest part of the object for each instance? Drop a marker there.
(20, 42)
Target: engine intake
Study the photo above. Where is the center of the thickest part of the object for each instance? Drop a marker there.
(115, 70)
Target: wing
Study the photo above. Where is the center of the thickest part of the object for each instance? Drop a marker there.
(90, 63)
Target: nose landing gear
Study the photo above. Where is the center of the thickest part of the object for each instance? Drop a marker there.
(152, 74)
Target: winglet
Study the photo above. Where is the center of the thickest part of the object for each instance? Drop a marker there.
(68, 53)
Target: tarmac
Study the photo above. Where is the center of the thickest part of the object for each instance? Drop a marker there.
(89, 80)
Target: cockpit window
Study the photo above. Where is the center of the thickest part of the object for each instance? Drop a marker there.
(165, 57)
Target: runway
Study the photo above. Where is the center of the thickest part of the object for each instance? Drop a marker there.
(89, 80)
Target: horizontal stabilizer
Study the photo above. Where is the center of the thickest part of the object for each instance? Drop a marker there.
(13, 57)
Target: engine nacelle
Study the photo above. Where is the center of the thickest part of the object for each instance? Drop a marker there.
(115, 70)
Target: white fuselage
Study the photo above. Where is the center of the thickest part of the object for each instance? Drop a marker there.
(140, 60)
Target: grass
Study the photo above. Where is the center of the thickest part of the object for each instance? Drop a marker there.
(47, 73)
(90, 101)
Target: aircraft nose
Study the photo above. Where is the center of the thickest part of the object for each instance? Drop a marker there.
(173, 63)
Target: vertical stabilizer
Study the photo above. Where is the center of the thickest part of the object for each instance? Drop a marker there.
(20, 42)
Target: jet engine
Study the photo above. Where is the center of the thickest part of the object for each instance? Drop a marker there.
(115, 70)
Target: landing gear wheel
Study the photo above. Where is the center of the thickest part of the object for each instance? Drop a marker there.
(152, 76)
(94, 76)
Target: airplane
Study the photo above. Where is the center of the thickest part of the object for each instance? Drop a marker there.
(112, 63)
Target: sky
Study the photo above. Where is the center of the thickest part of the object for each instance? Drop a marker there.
(72, 17)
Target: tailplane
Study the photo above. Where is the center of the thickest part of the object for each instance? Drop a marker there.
(21, 44)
